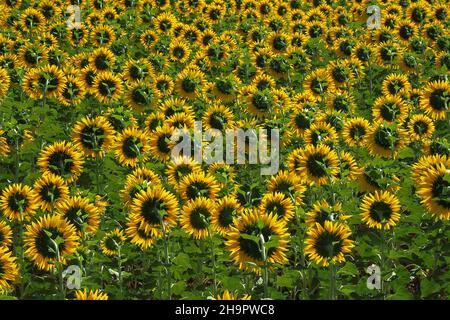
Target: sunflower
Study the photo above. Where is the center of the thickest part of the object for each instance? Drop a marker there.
(196, 216)
(90, 295)
(107, 87)
(73, 91)
(141, 96)
(153, 121)
(318, 83)
(111, 242)
(227, 295)
(261, 102)
(47, 237)
(328, 243)
(198, 184)
(179, 51)
(390, 109)
(301, 118)
(388, 53)
(340, 73)
(226, 209)
(9, 273)
(288, 184)
(138, 235)
(174, 105)
(226, 88)
(163, 85)
(153, 206)
(6, 235)
(165, 23)
(418, 12)
(380, 209)
(322, 211)
(93, 135)
(434, 99)
(138, 70)
(426, 163)
(51, 190)
(180, 167)
(103, 35)
(434, 190)
(62, 159)
(420, 128)
(48, 81)
(102, 60)
(278, 204)
(190, 83)
(245, 251)
(318, 164)
(218, 117)
(87, 77)
(131, 146)
(180, 120)
(363, 52)
(78, 37)
(133, 185)
(32, 20)
(161, 143)
(149, 39)
(5, 81)
(396, 85)
(320, 132)
(385, 139)
(355, 131)
(82, 214)
(18, 202)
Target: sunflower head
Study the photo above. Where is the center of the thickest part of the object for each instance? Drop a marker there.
(380, 209)
(328, 243)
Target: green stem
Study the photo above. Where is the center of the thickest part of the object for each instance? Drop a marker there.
(213, 259)
(167, 262)
(119, 254)
(265, 266)
(382, 260)
(332, 281)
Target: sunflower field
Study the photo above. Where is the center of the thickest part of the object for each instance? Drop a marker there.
(93, 205)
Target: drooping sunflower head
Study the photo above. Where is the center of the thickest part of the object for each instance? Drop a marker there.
(434, 191)
(82, 214)
(51, 190)
(380, 209)
(161, 143)
(141, 96)
(278, 204)
(153, 207)
(138, 70)
(226, 210)
(111, 242)
(395, 85)
(390, 109)
(18, 202)
(198, 184)
(46, 237)
(131, 146)
(318, 164)
(328, 243)
(318, 83)
(107, 87)
(252, 230)
(6, 235)
(90, 295)
(355, 131)
(420, 128)
(9, 272)
(102, 60)
(62, 159)
(93, 135)
(180, 167)
(435, 99)
(103, 35)
(320, 133)
(138, 235)
(288, 184)
(386, 139)
(196, 217)
(190, 83)
(322, 211)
